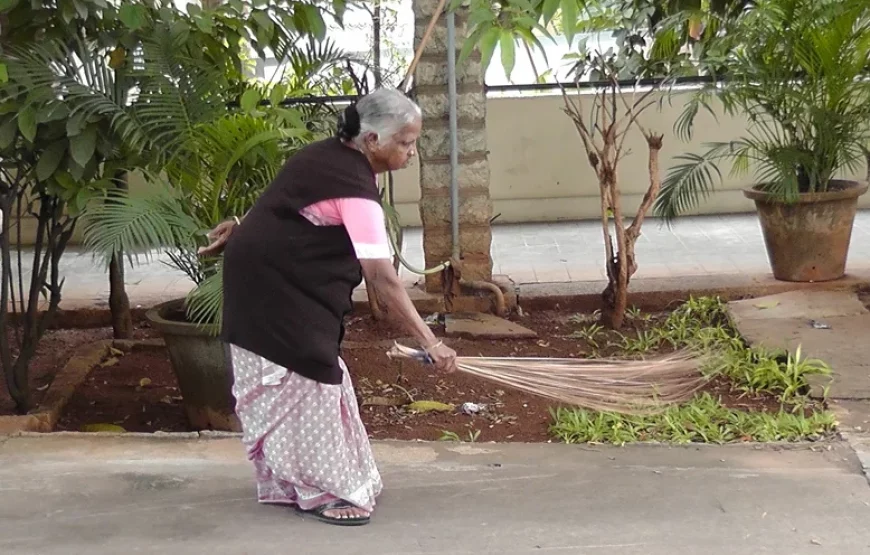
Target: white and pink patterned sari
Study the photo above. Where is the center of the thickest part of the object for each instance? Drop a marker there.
(306, 439)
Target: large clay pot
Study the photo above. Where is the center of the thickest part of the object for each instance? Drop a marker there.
(199, 360)
(808, 240)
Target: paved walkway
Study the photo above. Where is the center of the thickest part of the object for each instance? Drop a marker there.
(112, 495)
(528, 253)
(786, 323)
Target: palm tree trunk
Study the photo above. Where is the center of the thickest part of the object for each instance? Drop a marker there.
(119, 302)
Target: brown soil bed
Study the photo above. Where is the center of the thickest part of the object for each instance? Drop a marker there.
(53, 352)
(116, 394)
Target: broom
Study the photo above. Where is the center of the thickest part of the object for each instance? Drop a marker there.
(626, 386)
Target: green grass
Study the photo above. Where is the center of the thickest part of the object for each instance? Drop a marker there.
(703, 420)
(702, 324)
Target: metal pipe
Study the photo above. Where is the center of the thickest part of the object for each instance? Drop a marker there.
(454, 142)
(500, 305)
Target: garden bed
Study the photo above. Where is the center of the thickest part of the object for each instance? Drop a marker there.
(140, 394)
(52, 353)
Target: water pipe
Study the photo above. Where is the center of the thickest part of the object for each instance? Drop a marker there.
(454, 132)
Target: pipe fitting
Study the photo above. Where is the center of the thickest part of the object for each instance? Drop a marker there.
(500, 305)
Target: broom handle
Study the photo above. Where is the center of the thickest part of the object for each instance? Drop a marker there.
(407, 352)
(423, 42)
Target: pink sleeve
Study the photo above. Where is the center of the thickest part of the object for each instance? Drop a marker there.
(364, 221)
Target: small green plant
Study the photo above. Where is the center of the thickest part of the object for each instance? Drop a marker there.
(590, 334)
(636, 314)
(447, 435)
(702, 325)
(644, 342)
(703, 420)
(582, 319)
(761, 370)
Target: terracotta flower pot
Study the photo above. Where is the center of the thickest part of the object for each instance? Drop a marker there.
(808, 240)
(199, 360)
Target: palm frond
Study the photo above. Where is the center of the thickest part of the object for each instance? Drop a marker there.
(47, 71)
(691, 181)
(204, 304)
(137, 226)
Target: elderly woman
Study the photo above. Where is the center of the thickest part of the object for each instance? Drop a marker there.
(290, 268)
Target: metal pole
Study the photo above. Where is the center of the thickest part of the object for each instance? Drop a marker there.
(454, 146)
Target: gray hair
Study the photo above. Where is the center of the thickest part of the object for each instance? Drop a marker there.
(383, 112)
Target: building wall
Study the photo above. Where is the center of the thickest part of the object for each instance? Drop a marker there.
(539, 171)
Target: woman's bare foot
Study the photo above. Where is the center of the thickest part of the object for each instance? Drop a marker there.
(350, 512)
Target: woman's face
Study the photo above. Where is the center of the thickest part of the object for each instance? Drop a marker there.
(396, 152)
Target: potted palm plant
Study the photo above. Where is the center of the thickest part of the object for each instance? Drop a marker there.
(798, 71)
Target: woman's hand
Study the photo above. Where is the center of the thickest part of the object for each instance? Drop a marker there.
(444, 357)
(391, 293)
(218, 237)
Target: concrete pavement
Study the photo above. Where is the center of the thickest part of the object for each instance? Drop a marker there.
(91, 495)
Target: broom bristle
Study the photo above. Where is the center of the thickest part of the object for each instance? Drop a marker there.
(610, 385)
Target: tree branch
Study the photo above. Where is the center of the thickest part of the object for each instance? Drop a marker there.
(655, 184)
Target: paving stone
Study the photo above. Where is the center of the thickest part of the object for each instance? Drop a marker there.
(788, 326)
(807, 305)
(484, 326)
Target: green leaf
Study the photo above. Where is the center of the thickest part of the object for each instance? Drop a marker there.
(265, 22)
(76, 124)
(487, 46)
(250, 100)
(549, 10)
(277, 95)
(50, 160)
(81, 147)
(569, 19)
(54, 112)
(4, 74)
(508, 53)
(27, 123)
(204, 23)
(470, 44)
(81, 9)
(6, 5)
(133, 16)
(80, 201)
(7, 132)
(314, 19)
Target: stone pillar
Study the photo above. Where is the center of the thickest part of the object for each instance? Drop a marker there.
(475, 210)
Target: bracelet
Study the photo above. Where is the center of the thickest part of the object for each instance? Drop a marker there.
(433, 346)
(238, 222)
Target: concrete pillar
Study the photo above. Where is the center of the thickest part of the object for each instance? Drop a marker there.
(430, 91)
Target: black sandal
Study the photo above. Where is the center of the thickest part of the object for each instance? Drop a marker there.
(317, 513)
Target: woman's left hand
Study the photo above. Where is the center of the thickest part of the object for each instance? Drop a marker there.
(219, 237)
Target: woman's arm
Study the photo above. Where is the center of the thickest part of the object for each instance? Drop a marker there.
(364, 221)
(398, 306)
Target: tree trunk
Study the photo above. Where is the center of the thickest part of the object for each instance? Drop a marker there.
(615, 302)
(119, 302)
(376, 44)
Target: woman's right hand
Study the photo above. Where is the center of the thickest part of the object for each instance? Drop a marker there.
(444, 358)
